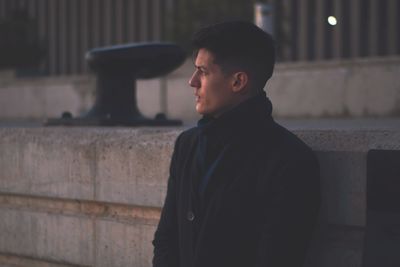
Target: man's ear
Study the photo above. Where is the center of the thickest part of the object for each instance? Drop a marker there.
(240, 82)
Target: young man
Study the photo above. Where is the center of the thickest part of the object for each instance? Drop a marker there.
(243, 191)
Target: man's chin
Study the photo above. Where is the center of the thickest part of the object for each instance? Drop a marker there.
(200, 110)
(204, 112)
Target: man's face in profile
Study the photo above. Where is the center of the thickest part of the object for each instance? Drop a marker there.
(213, 88)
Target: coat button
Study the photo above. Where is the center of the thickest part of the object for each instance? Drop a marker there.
(190, 216)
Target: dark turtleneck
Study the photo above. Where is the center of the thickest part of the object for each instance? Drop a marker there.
(216, 133)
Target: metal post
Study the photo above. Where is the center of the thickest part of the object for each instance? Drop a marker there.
(263, 17)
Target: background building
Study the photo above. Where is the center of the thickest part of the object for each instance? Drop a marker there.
(66, 29)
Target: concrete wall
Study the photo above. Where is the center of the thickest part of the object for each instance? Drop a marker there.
(37, 99)
(356, 88)
(92, 196)
(81, 197)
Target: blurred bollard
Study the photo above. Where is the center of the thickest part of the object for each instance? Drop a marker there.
(117, 68)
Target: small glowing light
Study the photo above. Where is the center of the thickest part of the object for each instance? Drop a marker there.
(332, 20)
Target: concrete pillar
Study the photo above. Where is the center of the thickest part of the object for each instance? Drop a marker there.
(303, 29)
(373, 28)
(74, 29)
(120, 20)
(95, 33)
(84, 33)
(107, 29)
(61, 36)
(156, 15)
(393, 30)
(285, 21)
(143, 20)
(320, 30)
(131, 7)
(51, 35)
(337, 41)
(42, 27)
(355, 28)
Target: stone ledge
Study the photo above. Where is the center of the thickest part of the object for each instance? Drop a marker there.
(130, 165)
(92, 196)
(82, 208)
(48, 237)
(102, 164)
(21, 261)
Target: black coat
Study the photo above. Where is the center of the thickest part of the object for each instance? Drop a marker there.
(259, 205)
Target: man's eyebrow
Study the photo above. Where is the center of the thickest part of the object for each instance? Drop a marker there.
(200, 67)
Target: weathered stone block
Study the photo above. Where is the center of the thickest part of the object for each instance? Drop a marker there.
(121, 245)
(47, 162)
(134, 169)
(47, 236)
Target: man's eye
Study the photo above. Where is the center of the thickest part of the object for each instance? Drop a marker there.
(201, 72)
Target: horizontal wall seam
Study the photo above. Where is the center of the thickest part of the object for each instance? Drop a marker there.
(22, 260)
(77, 207)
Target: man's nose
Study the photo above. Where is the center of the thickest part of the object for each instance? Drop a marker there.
(194, 81)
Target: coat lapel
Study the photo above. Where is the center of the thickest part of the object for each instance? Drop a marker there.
(225, 168)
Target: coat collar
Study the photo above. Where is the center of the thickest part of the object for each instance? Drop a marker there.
(238, 121)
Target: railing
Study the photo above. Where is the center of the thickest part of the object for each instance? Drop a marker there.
(68, 28)
(364, 28)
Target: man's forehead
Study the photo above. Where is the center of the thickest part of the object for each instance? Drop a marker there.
(204, 58)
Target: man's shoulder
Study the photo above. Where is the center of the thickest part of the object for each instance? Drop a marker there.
(187, 135)
(186, 138)
(289, 144)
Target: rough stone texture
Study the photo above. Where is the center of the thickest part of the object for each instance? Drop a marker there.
(358, 87)
(126, 167)
(41, 235)
(350, 139)
(124, 244)
(133, 170)
(34, 229)
(8, 260)
(117, 165)
(47, 162)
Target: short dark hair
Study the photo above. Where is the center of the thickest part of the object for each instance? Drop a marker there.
(239, 45)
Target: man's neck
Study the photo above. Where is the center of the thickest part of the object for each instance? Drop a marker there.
(237, 103)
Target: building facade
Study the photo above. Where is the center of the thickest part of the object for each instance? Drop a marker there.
(305, 30)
